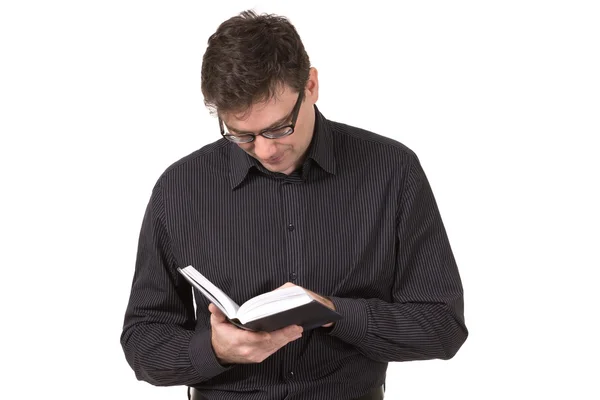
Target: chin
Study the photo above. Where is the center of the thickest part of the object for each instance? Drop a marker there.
(283, 170)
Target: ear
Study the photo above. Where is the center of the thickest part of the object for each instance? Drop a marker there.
(312, 86)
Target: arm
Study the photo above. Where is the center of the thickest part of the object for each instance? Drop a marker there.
(425, 319)
(158, 337)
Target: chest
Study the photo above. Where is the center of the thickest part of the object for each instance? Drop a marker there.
(333, 236)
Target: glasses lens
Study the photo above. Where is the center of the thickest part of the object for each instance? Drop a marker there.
(239, 138)
(278, 133)
(271, 134)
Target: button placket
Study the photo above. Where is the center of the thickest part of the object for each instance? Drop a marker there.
(292, 214)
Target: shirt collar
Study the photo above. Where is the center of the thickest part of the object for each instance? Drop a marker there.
(321, 151)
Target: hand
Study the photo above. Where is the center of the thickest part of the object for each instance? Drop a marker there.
(319, 298)
(237, 346)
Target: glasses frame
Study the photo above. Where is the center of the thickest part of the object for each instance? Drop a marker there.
(248, 137)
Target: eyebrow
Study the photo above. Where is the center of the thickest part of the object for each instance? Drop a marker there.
(273, 125)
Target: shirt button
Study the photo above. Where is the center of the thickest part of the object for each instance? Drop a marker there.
(290, 227)
(293, 276)
(291, 373)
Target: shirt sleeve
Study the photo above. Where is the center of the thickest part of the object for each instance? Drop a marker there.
(425, 318)
(158, 337)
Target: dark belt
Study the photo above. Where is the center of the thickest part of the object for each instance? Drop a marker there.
(376, 394)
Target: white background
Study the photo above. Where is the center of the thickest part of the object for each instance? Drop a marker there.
(500, 100)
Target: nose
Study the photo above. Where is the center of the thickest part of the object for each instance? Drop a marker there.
(264, 148)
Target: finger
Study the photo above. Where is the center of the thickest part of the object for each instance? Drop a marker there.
(251, 338)
(287, 334)
(215, 321)
(323, 300)
(216, 313)
(279, 337)
(286, 285)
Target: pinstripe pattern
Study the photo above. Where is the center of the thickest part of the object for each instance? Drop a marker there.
(358, 223)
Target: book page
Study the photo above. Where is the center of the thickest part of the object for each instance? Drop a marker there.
(208, 289)
(272, 302)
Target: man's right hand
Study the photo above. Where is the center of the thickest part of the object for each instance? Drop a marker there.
(237, 346)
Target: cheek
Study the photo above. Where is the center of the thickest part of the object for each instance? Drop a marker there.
(247, 147)
(291, 147)
(291, 142)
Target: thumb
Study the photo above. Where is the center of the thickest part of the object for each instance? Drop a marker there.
(216, 313)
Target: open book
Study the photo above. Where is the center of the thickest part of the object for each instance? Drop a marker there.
(269, 311)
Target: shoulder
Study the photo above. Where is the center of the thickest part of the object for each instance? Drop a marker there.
(207, 161)
(360, 144)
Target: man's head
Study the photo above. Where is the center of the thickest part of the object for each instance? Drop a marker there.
(257, 77)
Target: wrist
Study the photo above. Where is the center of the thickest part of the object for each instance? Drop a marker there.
(353, 327)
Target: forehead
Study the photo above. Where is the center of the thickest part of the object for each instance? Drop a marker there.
(263, 114)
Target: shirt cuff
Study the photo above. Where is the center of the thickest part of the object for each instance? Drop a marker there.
(203, 356)
(353, 327)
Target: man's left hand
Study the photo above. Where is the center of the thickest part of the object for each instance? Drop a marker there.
(319, 298)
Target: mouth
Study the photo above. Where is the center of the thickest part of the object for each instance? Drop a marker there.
(275, 160)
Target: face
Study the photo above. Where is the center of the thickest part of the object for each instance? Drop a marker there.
(285, 154)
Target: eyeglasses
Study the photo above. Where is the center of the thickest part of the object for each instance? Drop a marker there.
(271, 133)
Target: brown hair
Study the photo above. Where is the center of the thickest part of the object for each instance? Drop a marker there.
(247, 60)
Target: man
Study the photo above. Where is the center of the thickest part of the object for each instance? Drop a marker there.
(288, 197)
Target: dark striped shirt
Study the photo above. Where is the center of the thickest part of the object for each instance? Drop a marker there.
(358, 223)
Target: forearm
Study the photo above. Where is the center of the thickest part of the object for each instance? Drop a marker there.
(158, 336)
(167, 355)
(389, 332)
(423, 318)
